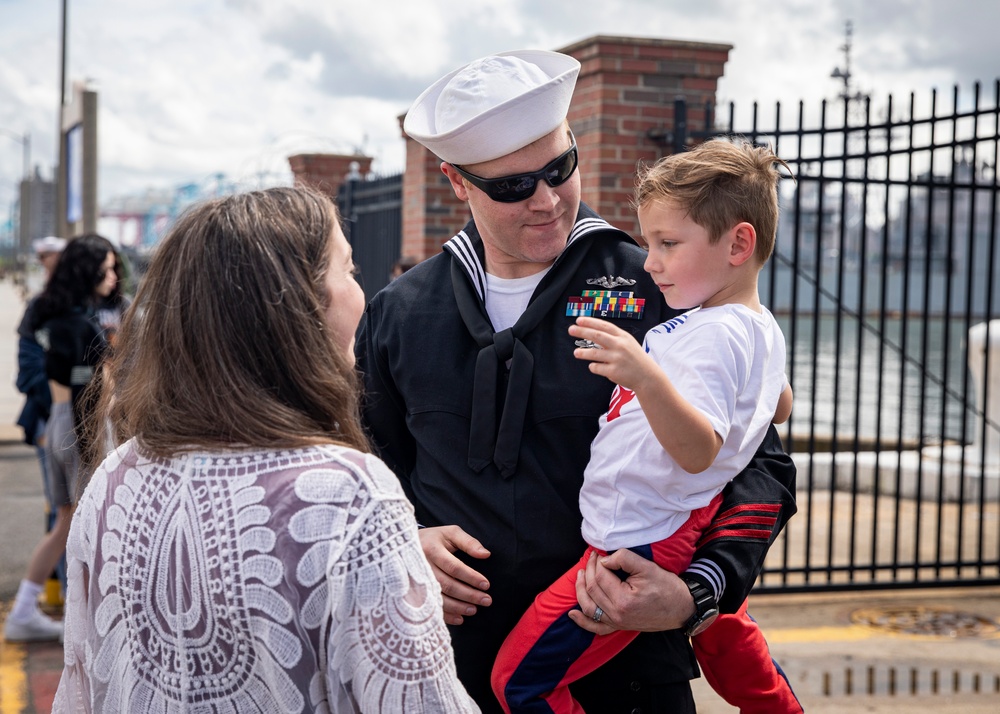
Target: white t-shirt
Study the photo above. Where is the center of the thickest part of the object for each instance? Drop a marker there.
(507, 298)
(728, 362)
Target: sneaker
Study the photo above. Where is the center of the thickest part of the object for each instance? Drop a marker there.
(37, 628)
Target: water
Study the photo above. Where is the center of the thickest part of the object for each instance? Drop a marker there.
(867, 377)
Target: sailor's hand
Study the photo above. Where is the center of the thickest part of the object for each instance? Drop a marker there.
(651, 599)
(463, 589)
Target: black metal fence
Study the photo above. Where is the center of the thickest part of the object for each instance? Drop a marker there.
(886, 279)
(372, 216)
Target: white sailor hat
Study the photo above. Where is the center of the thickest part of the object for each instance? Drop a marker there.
(48, 244)
(493, 106)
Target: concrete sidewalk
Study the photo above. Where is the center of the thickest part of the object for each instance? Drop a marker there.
(29, 673)
(917, 651)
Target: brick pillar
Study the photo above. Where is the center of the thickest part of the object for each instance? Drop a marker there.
(432, 213)
(326, 172)
(624, 97)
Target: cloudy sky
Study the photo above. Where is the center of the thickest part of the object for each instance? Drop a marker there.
(192, 88)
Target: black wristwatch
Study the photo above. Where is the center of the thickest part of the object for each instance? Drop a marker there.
(706, 609)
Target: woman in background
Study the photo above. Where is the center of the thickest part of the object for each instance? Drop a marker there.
(241, 550)
(109, 311)
(64, 323)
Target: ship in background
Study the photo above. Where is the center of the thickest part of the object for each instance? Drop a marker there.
(893, 212)
(936, 251)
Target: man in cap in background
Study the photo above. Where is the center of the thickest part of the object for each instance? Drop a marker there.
(33, 383)
(474, 398)
(48, 250)
(31, 378)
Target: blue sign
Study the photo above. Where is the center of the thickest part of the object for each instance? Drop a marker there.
(74, 174)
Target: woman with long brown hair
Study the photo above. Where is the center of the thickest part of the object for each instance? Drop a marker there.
(240, 548)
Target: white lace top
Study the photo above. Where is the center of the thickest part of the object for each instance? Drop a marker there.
(251, 581)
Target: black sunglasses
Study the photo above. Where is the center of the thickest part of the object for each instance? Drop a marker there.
(511, 189)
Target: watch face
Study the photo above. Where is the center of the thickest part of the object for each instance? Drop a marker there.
(703, 623)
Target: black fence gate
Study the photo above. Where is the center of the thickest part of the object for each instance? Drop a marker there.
(886, 279)
(372, 213)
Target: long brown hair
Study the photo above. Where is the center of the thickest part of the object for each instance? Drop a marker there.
(226, 345)
(74, 279)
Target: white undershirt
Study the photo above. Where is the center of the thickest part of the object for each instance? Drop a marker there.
(507, 298)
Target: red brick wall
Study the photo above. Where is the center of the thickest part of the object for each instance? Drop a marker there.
(625, 91)
(431, 212)
(325, 172)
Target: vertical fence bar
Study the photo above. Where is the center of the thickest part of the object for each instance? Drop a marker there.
(794, 309)
(946, 338)
(838, 250)
(992, 269)
(860, 334)
(680, 125)
(904, 327)
(961, 368)
(772, 282)
(905, 330)
(817, 331)
(925, 335)
(816, 322)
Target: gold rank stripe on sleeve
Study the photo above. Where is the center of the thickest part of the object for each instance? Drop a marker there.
(606, 303)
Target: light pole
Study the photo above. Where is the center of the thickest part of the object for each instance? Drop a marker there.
(25, 141)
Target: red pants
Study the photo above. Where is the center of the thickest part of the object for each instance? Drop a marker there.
(547, 651)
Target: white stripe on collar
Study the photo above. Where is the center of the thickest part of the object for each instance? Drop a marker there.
(587, 225)
(462, 248)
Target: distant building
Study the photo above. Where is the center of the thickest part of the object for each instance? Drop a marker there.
(941, 254)
(811, 220)
(949, 225)
(38, 209)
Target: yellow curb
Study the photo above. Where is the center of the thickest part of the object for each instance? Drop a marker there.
(13, 680)
(850, 633)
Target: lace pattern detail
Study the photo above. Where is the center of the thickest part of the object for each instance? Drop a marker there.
(265, 581)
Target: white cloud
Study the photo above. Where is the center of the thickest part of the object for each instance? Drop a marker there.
(188, 88)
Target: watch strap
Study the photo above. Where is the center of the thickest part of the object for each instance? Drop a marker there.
(706, 608)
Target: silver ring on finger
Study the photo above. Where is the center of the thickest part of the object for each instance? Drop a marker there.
(598, 613)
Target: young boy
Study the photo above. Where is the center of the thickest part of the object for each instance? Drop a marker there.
(690, 407)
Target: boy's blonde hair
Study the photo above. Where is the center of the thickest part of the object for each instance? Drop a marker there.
(719, 183)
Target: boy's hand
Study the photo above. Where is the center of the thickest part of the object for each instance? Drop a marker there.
(619, 357)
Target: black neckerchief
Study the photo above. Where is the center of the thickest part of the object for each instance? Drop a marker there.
(487, 443)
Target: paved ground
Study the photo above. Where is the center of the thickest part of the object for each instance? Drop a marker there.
(835, 662)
